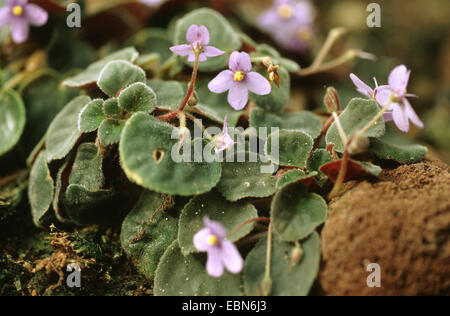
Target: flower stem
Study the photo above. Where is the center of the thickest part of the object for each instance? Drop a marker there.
(332, 37)
(377, 117)
(252, 220)
(341, 177)
(323, 131)
(171, 115)
(267, 281)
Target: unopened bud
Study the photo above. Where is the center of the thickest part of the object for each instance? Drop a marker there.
(358, 144)
(35, 61)
(296, 256)
(193, 100)
(331, 100)
(267, 62)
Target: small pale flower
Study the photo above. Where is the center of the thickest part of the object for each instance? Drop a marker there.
(151, 3)
(238, 80)
(20, 14)
(223, 141)
(198, 39)
(221, 252)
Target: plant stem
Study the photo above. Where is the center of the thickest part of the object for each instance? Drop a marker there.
(171, 115)
(252, 220)
(267, 281)
(377, 117)
(323, 131)
(340, 128)
(332, 37)
(341, 177)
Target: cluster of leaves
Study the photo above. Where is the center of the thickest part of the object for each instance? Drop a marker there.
(105, 149)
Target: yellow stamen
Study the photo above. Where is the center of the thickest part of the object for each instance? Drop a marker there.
(285, 11)
(212, 240)
(239, 76)
(17, 10)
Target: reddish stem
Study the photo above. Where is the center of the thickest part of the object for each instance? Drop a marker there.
(342, 174)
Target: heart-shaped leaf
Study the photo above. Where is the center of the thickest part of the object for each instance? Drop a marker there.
(401, 153)
(111, 107)
(153, 40)
(355, 170)
(279, 98)
(87, 168)
(317, 159)
(295, 213)
(118, 75)
(186, 276)
(149, 229)
(146, 151)
(40, 191)
(63, 132)
(214, 206)
(358, 113)
(91, 116)
(247, 179)
(137, 97)
(291, 148)
(169, 94)
(304, 121)
(90, 76)
(222, 35)
(287, 279)
(110, 131)
(12, 120)
(295, 175)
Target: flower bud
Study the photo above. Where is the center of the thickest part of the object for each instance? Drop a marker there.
(193, 100)
(358, 144)
(35, 61)
(331, 100)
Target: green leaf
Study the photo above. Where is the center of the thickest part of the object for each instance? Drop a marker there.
(169, 94)
(118, 75)
(90, 76)
(265, 50)
(230, 214)
(63, 132)
(293, 176)
(91, 116)
(179, 275)
(87, 168)
(304, 121)
(221, 33)
(111, 107)
(137, 97)
(215, 106)
(294, 148)
(152, 40)
(401, 153)
(149, 229)
(295, 213)
(146, 156)
(40, 191)
(12, 120)
(110, 131)
(246, 179)
(287, 279)
(279, 98)
(357, 115)
(317, 159)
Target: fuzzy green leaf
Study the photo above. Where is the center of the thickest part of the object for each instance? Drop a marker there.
(293, 176)
(111, 107)
(295, 213)
(358, 113)
(222, 35)
(87, 168)
(118, 75)
(169, 94)
(12, 120)
(146, 154)
(63, 132)
(317, 159)
(401, 153)
(110, 131)
(91, 116)
(214, 206)
(186, 276)
(137, 97)
(294, 148)
(287, 279)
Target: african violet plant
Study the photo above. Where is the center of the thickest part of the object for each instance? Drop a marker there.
(200, 227)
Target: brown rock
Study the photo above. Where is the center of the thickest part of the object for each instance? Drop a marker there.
(402, 223)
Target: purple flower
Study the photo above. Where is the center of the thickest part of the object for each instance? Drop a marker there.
(290, 22)
(20, 14)
(239, 80)
(400, 111)
(221, 252)
(223, 141)
(363, 88)
(198, 38)
(151, 3)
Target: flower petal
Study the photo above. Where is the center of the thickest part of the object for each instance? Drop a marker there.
(211, 51)
(222, 82)
(412, 114)
(36, 15)
(388, 117)
(214, 264)
(240, 61)
(257, 84)
(201, 58)
(199, 34)
(20, 29)
(398, 79)
(238, 95)
(361, 86)
(182, 50)
(400, 118)
(5, 16)
(16, 2)
(215, 227)
(231, 257)
(201, 239)
(383, 95)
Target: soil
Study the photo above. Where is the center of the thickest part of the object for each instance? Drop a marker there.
(401, 222)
